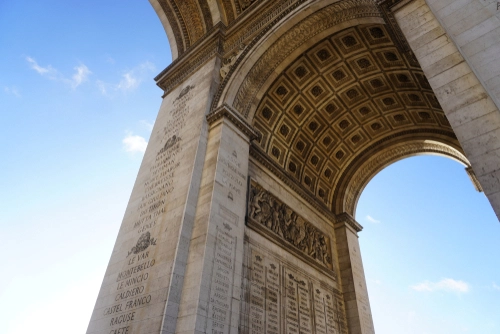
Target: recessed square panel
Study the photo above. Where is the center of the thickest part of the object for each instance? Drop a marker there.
(377, 127)
(314, 127)
(301, 145)
(316, 159)
(322, 55)
(399, 119)
(413, 99)
(264, 134)
(375, 35)
(317, 91)
(299, 109)
(348, 42)
(365, 112)
(353, 95)
(402, 80)
(442, 119)
(323, 191)
(282, 92)
(344, 125)
(388, 102)
(309, 179)
(422, 81)
(340, 155)
(286, 130)
(332, 108)
(301, 72)
(423, 116)
(376, 84)
(328, 140)
(329, 173)
(268, 113)
(356, 139)
(339, 76)
(294, 166)
(433, 101)
(278, 151)
(390, 58)
(364, 64)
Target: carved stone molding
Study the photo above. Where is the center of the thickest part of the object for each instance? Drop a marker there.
(277, 221)
(345, 218)
(235, 118)
(347, 200)
(474, 179)
(190, 20)
(293, 39)
(255, 30)
(184, 66)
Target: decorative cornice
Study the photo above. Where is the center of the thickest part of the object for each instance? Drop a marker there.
(235, 117)
(191, 60)
(345, 218)
(395, 31)
(474, 179)
(274, 168)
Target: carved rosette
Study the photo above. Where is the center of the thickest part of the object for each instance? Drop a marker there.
(278, 221)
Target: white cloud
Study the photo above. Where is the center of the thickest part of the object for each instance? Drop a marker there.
(147, 125)
(496, 287)
(446, 284)
(81, 73)
(372, 220)
(41, 70)
(12, 91)
(134, 143)
(130, 80)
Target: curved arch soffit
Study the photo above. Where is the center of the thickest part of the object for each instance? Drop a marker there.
(347, 201)
(262, 61)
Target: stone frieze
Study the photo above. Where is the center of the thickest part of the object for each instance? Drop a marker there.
(278, 220)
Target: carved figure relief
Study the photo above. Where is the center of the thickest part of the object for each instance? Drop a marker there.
(143, 243)
(269, 212)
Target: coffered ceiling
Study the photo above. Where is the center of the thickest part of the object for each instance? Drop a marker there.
(340, 97)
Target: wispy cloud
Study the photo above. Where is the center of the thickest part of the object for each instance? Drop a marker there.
(12, 91)
(134, 143)
(110, 59)
(41, 70)
(147, 125)
(446, 284)
(81, 73)
(496, 287)
(372, 220)
(129, 81)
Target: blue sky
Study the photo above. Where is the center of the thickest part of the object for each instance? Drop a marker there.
(77, 102)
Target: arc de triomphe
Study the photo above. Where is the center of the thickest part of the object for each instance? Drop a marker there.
(275, 115)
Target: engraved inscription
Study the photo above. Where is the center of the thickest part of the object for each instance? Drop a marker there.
(222, 282)
(284, 299)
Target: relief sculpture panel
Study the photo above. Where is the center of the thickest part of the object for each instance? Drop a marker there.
(277, 221)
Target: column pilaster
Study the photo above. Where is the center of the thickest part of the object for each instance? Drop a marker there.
(358, 313)
(210, 301)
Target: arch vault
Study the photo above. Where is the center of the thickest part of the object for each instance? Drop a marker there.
(275, 116)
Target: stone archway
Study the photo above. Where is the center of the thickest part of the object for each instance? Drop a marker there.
(275, 115)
